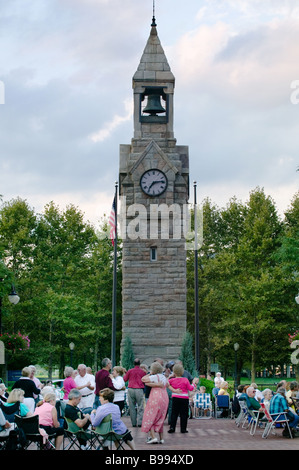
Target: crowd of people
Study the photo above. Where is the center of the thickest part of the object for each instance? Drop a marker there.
(152, 394)
(283, 400)
(87, 399)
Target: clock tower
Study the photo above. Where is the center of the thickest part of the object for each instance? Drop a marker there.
(154, 186)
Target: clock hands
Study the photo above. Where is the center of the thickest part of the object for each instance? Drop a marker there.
(155, 182)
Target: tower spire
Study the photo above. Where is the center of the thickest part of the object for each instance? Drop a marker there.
(154, 19)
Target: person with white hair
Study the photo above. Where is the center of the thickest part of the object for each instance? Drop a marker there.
(86, 384)
(258, 394)
(218, 378)
(267, 395)
(69, 381)
(254, 403)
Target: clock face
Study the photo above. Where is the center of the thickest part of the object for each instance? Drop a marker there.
(153, 182)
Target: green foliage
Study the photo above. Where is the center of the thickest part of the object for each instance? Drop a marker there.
(186, 355)
(63, 274)
(127, 360)
(209, 384)
(247, 283)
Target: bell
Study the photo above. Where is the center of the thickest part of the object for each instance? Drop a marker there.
(154, 106)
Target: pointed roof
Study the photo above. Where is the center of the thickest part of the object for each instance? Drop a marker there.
(154, 148)
(153, 65)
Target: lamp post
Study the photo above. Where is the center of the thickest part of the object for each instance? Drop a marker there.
(13, 298)
(236, 347)
(72, 347)
(196, 313)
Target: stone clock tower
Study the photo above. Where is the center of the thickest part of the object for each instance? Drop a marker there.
(154, 186)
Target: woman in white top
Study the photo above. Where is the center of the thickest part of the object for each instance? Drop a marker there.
(119, 385)
(267, 395)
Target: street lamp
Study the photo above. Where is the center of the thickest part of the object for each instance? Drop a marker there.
(13, 298)
(72, 347)
(236, 347)
(297, 298)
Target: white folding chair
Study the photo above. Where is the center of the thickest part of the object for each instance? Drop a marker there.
(273, 419)
(242, 417)
(202, 402)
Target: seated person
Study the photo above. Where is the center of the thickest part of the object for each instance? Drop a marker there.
(258, 394)
(253, 403)
(73, 413)
(267, 395)
(216, 389)
(278, 404)
(30, 390)
(206, 406)
(244, 397)
(239, 390)
(108, 407)
(3, 393)
(218, 378)
(48, 420)
(15, 396)
(5, 426)
(223, 388)
(290, 394)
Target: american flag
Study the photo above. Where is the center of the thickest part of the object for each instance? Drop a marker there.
(111, 222)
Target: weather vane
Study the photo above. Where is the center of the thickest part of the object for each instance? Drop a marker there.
(154, 19)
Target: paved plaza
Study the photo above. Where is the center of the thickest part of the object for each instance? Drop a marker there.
(213, 434)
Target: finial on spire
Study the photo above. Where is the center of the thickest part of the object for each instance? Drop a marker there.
(154, 19)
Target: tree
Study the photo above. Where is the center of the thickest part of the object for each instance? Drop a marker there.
(249, 306)
(287, 256)
(243, 294)
(65, 311)
(17, 241)
(127, 360)
(187, 355)
(17, 235)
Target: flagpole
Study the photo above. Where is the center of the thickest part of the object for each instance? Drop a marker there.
(196, 313)
(113, 338)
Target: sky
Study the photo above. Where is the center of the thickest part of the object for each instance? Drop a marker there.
(66, 99)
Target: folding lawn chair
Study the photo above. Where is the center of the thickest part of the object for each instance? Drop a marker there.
(202, 402)
(29, 426)
(242, 417)
(222, 402)
(273, 419)
(254, 420)
(10, 411)
(76, 436)
(106, 436)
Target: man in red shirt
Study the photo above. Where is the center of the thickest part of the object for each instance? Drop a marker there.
(103, 380)
(135, 392)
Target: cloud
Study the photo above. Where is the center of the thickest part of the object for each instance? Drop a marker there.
(67, 68)
(109, 127)
(253, 68)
